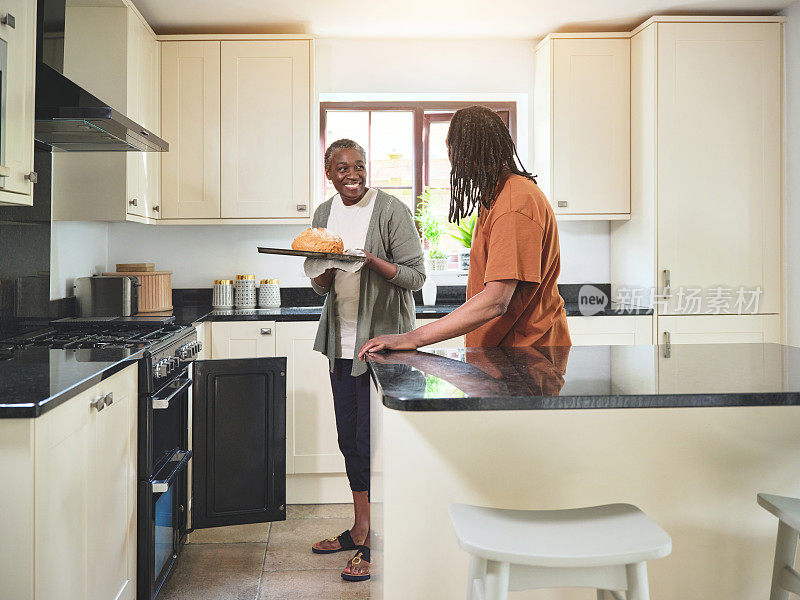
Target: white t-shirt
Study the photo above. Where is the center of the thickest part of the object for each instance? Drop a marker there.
(351, 223)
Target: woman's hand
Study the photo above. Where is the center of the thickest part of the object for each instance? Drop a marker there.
(404, 341)
(384, 268)
(326, 279)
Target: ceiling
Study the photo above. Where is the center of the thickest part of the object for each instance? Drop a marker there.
(426, 18)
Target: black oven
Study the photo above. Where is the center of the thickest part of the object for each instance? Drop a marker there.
(164, 455)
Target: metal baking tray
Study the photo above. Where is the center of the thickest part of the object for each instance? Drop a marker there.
(310, 254)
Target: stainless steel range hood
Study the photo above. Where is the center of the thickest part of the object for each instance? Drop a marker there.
(70, 118)
(67, 116)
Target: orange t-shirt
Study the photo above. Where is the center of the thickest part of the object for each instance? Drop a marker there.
(518, 239)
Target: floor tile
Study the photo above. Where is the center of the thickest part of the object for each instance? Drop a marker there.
(311, 585)
(290, 542)
(319, 511)
(216, 572)
(233, 534)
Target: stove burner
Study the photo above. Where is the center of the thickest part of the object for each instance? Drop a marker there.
(99, 334)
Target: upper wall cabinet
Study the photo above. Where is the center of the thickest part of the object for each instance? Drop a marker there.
(17, 59)
(582, 124)
(705, 227)
(238, 115)
(111, 52)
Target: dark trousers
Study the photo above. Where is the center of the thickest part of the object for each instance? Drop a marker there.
(351, 404)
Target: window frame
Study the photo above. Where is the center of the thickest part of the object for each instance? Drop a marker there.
(422, 117)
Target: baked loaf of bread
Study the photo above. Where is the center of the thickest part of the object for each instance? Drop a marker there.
(318, 240)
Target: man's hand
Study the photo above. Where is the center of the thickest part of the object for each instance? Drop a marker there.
(403, 341)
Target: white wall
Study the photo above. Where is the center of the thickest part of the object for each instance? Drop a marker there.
(463, 69)
(792, 170)
(77, 249)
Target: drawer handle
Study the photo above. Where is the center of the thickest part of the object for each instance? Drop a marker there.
(562, 204)
(156, 209)
(98, 404)
(33, 177)
(108, 400)
(667, 346)
(9, 20)
(302, 208)
(133, 202)
(266, 331)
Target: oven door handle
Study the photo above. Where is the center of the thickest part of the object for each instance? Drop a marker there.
(181, 459)
(179, 385)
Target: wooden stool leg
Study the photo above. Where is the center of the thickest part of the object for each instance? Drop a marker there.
(496, 580)
(477, 570)
(638, 588)
(785, 548)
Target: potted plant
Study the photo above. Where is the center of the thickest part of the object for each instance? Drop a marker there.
(463, 235)
(431, 229)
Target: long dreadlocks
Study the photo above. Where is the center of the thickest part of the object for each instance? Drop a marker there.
(480, 147)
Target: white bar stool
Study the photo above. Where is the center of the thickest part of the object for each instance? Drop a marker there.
(601, 547)
(784, 578)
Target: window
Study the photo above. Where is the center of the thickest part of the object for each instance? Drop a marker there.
(405, 145)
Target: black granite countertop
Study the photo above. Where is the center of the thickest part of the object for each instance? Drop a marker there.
(186, 315)
(589, 377)
(34, 380)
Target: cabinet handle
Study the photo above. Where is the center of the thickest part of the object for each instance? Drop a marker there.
(302, 208)
(667, 278)
(9, 20)
(133, 202)
(266, 331)
(667, 345)
(155, 209)
(33, 177)
(98, 404)
(562, 204)
(109, 399)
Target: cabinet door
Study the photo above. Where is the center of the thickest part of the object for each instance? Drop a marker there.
(112, 491)
(239, 442)
(719, 158)
(458, 342)
(62, 501)
(242, 339)
(591, 126)
(611, 331)
(719, 329)
(311, 444)
(16, 146)
(266, 116)
(190, 123)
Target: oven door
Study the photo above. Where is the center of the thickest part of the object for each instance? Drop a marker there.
(239, 442)
(162, 521)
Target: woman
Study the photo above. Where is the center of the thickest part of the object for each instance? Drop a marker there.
(376, 300)
(512, 296)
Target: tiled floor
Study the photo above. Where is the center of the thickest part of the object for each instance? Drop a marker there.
(267, 561)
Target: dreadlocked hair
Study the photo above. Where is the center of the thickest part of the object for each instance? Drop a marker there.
(480, 147)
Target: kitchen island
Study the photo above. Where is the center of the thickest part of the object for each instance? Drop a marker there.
(689, 433)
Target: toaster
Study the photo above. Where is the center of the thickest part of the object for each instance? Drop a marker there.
(107, 296)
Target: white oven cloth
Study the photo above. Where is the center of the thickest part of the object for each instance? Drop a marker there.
(314, 267)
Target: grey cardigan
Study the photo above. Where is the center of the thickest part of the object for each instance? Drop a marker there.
(385, 306)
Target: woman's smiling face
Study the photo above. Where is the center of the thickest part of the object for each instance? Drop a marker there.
(348, 173)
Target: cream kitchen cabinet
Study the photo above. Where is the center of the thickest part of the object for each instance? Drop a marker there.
(611, 330)
(190, 96)
(17, 59)
(239, 112)
(70, 499)
(582, 124)
(242, 339)
(705, 164)
(719, 329)
(311, 438)
(112, 53)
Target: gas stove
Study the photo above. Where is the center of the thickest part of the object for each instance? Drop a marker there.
(166, 345)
